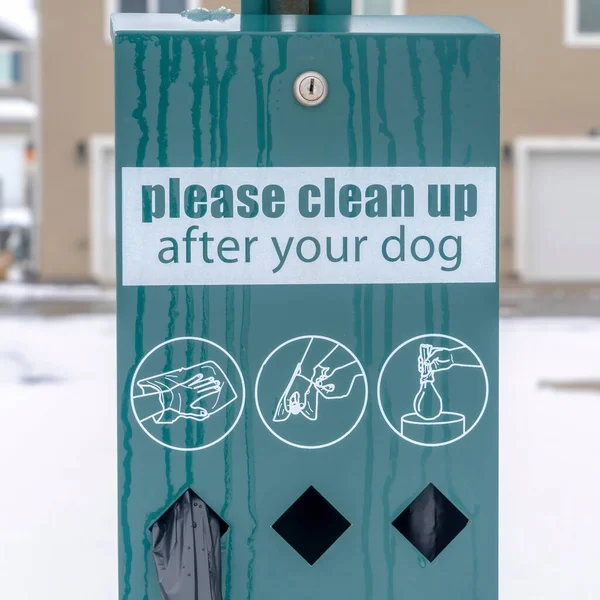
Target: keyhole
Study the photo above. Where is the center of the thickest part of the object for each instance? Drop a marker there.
(310, 88)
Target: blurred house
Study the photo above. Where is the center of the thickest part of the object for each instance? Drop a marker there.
(550, 179)
(550, 183)
(76, 235)
(18, 115)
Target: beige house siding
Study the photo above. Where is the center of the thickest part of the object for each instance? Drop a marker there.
(76, 102)
(234, 5)
(15, 128)
(547, 88)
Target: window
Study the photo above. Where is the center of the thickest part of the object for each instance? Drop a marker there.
(10, 67)
(172, 6)
(142, 6)
(146, 6)
(582, 23)
(378, 7)
(133, 6)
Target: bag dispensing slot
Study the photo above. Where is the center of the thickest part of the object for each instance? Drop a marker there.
(186, 545)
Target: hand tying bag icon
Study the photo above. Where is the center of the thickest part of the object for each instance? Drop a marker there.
(195, 393)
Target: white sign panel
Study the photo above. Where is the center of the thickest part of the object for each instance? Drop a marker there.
(267, 226)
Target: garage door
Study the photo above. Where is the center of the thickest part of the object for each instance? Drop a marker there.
(558, 210)
(103, 229)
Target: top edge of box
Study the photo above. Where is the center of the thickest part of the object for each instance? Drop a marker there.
(124, 24)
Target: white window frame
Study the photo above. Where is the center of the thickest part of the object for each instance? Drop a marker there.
(99, 145)
(113, 6)
(397, 7)
(573, 37)
(525, 147)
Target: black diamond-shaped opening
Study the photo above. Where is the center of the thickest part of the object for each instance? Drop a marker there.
(190, 499)
(311, 525)
(430, 522)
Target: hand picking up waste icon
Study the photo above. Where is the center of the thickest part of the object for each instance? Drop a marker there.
(318, 376)
(195, 393)
(428, 403)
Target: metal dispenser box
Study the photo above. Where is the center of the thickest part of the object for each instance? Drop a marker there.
(307, 305)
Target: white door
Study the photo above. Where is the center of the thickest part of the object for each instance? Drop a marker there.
(12, 171)
(558, 210)
(103, 201)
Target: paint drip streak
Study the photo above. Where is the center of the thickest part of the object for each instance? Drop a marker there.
(347, 68)
(229, 343)
(139, 115)
(166, 66)
(213, 96)
(139, 112)
(282, 49)
(245, 366)
(465, 61)
(229, 74)
(175, 71)
(417, 85)
(389, 539)
(190, 315)
(127, 446)
(429, 328)
(365, 103)
(198, 90)
(147, 554)
(357, 308)
(163, 101)
(447, 55)
(170, 69)
(205, 307)
(369, 453)
(392, 155)
(260, 100)
(166, 433)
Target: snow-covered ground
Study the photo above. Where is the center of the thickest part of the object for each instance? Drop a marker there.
(549, 459)
(58, 458)
(13, 292)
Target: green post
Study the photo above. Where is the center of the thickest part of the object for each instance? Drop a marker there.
(308, 301)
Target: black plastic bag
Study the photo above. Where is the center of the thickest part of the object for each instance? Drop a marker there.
(186, 543)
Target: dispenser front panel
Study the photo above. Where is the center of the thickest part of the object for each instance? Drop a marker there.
(333, 401)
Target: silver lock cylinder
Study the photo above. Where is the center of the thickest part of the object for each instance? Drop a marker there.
(310, 88)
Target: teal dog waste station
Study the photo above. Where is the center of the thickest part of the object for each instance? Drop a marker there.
(307, 305)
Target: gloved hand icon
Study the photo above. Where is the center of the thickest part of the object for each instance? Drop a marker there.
(195, 393)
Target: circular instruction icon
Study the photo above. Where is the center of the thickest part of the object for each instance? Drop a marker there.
(188, 393)
(311, 392)
(433, 390)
